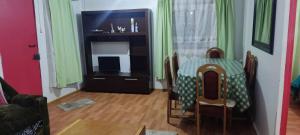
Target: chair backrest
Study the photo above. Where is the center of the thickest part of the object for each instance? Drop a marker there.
(252, 72)
(168, 74)
(215, 52)
(247, 65)
(213, 79)
(175, 65)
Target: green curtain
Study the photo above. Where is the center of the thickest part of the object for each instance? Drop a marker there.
(65, 43)
(163, 36)
(296, 63)
(263, 20)
(225, 27)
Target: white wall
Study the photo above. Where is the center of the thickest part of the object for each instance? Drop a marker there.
(118, 4)
(269, 85)
(117, 49)
(152, 4)
(80, 5)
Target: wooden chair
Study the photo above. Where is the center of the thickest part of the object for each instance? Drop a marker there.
(251, 83)
(215, 52)
(172, 96)
(175, 65)
(247, 65)
(213, 80)
(252, 72)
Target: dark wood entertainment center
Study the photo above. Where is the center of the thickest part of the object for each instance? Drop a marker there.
(97, 27)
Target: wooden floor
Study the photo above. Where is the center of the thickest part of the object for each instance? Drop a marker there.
(149, 110)
(293, 125)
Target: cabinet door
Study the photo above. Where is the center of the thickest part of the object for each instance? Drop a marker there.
(18, 46)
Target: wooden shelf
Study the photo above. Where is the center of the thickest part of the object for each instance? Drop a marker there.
(140, 80)
(118, 34)
(120, 74)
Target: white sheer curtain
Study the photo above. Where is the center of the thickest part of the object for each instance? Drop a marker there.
(195, 27)
(49, 44)
(46, 16)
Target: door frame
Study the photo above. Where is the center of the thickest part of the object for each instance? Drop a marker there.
(288, 66)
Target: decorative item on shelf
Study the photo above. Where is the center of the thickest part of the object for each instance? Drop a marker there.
(132, 25)
(121, 29)
(97, 30)
(136, 27)
(112, 28)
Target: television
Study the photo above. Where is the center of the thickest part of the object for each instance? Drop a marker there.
(109, 64)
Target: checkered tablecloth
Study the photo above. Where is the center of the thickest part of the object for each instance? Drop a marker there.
(236, 82)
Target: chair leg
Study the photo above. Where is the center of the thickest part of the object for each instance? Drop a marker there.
(229, 118)
(197, 119)
(224, 121)
(169, 110)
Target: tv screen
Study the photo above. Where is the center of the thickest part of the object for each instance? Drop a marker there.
(109, 64)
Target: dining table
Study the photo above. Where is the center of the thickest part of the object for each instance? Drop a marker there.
(236, 81)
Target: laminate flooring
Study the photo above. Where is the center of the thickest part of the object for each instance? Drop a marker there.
(293, 124)
(149, 110)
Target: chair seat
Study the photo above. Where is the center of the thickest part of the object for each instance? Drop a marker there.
(229, 104)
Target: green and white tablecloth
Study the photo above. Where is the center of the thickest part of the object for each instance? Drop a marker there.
(236, 82)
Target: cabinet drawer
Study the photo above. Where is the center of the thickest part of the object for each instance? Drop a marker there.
(134, 79)
(121, 84)
(98, 84)
(135, 84)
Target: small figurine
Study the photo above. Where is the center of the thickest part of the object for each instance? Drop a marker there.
(132, 25)
(136, 27)
(112, 28)
(121, 29)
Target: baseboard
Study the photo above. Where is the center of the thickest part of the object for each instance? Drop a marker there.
(55, 100)
(69, 94)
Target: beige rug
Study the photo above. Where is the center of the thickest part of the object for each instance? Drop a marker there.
(76, 104)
